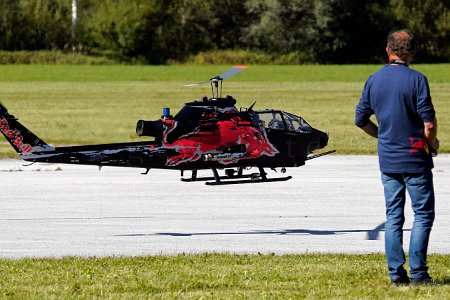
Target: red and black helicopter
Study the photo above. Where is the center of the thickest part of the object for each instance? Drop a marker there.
(207, 134)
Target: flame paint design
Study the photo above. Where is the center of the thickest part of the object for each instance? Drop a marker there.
(231, 132)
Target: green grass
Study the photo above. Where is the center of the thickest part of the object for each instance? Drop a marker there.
(100, 104)
(437, 73)
(222, 276)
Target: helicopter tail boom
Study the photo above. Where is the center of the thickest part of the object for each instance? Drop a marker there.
(32, 148)
(21, 139)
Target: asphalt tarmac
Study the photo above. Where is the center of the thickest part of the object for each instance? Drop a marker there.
(333, 204)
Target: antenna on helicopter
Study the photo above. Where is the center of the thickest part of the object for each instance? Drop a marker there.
(251, 107)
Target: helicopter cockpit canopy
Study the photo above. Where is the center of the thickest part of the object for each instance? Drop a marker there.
(280, 120)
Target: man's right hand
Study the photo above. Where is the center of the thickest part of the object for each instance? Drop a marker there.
(434, 148)
(435, 145)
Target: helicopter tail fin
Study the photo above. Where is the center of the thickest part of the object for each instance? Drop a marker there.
(21, 139)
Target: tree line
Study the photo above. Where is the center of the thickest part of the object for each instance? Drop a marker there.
(158, 31)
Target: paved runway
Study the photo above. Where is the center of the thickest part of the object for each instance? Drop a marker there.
(333, 204)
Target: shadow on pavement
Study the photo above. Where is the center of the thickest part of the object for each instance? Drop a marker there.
(372, 234)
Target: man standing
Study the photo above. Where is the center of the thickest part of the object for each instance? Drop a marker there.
(407, 129)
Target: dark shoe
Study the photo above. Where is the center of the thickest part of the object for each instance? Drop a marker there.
(423, 281)
(403, 281)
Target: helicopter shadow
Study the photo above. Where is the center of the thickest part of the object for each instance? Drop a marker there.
(372, 234)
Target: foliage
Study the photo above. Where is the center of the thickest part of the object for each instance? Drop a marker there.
(12, 29)
(359, 29)
(118, 27)
(431, 24)
(34, 24)
(284, 26)
(51, 57)
(158, 31)
(245, 57)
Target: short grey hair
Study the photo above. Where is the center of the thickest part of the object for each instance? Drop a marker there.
(401, 42)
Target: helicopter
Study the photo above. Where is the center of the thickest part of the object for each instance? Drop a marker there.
(210, 133)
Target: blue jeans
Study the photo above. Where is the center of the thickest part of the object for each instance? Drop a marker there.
(421, 192)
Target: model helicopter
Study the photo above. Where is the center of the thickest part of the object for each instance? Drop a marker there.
(207, 134)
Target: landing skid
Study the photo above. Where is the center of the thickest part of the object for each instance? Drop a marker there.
(232, 178)
(257, 180)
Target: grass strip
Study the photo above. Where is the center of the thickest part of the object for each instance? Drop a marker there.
(436, 73)
(214, 276)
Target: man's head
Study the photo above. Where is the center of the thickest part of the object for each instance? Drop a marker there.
(401, 44)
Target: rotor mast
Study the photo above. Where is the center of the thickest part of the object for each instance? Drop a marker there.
(215, 85)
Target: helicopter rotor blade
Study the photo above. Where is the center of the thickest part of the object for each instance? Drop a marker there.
(198, 83)
(225, 75)
(232, 71)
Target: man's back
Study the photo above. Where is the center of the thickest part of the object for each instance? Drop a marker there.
(400, 99)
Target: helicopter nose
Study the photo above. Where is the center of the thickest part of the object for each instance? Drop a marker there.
(323, 139)
(320, 139)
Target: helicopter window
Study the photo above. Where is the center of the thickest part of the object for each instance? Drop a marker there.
(297, 124)
(272, 120)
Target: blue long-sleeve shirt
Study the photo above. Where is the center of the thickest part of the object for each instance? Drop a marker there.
(400, 99)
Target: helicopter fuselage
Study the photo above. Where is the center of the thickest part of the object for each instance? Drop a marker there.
(213, 133)
(206, 134)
